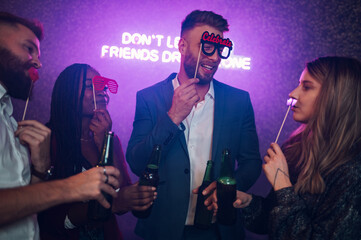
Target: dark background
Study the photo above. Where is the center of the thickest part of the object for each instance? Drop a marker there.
(278, 36)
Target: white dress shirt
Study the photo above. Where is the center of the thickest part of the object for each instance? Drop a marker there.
(198, 134)
(14, 169)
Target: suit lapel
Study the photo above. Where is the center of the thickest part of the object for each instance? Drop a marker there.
(168, 91)
(218, 116)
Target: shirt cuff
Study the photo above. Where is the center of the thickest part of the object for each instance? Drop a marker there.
(68, 224)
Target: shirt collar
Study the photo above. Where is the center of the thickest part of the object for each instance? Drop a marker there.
(5, 102)
(2, 91)
(210, 92)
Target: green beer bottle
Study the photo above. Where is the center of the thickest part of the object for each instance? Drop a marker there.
(203, 217)
(226, 191)
(150, 177)
(96, 211)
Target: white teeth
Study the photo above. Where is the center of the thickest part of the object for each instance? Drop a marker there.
(207, 67)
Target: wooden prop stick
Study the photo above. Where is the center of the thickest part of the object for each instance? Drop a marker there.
(27, 100)
(284, 119)
(95, 102)
(199, 54)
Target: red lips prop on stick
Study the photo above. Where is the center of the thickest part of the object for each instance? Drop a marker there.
(34, 76)
(290, 103)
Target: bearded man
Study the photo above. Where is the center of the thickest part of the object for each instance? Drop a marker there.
(25, 146)
(193, 119)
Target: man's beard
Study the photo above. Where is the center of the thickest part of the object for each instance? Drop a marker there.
(13, 74)
(190, 64)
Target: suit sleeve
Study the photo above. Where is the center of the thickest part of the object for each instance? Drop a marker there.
(248, 159)
(151, 126)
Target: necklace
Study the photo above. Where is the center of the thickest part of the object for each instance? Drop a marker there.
(85, 139)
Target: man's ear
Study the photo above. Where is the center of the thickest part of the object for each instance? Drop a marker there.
(182, 46)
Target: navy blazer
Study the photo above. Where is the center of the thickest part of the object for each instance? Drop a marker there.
(234, 128)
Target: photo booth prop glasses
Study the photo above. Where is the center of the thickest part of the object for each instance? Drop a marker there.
(100, 83)
(211, 43)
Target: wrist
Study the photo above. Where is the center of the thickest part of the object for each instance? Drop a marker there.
(67, 187)
(281, 179)
(174, 119)
(282, 184)
(41, 165)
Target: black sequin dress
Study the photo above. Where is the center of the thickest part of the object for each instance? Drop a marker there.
(334, 214)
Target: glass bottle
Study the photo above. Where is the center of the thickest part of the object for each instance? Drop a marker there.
(96, 211)
(150, 177)
(226, 191)
(203, 217)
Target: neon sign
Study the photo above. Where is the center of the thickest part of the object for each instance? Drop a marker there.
(160, 48)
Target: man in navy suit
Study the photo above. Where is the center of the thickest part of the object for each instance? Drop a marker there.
(193, 119)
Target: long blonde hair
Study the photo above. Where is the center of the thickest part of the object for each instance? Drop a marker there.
(319, 147)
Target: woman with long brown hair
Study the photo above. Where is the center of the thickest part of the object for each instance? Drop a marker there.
(316, 176)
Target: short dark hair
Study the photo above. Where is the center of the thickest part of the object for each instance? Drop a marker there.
(34, 25)
(210, 18)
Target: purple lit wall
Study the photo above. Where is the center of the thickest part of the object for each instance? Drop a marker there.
(278, 37)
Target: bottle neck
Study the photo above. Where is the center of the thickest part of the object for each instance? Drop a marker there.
(227, 171)
(106, 158)
(208, 173)
(155, 157)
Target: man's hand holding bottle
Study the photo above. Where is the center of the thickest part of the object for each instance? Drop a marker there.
(242, 201)
(90, 184)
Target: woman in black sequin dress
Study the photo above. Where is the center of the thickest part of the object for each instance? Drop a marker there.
(316, 177)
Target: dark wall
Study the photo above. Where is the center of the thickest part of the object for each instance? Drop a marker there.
(278, 36)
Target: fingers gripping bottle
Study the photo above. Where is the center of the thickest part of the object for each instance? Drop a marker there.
(96, 211)
(150, 177)
(203, 217)
(226, 191)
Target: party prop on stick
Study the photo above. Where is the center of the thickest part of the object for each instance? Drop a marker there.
(34, 76)
(95, 102)
(199, 54)
(290, 103)
(210, 43)
(99, 83)
(33, 73)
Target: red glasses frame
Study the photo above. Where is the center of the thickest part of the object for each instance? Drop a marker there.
(99, 83)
